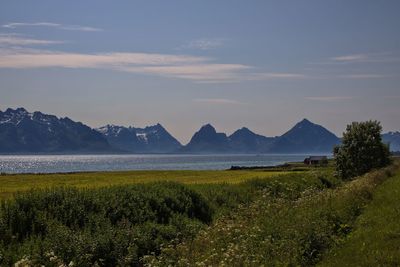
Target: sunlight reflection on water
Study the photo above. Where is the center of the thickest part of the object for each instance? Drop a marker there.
(73, 163)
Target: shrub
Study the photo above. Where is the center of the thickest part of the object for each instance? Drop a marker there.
(361, 150)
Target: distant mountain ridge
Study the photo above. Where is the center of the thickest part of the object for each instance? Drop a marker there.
(304, 137)
(244, 140)
(151, 139)
(25, 132)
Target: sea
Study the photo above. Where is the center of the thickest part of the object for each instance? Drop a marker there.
(89, 163)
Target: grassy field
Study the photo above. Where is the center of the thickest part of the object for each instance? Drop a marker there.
(287, 216)
(10, 184)
(375, 240)
(297, 226)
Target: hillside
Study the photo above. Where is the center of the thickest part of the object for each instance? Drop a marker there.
(375, 240)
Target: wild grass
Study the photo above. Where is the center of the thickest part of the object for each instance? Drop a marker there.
(261, 218)
(375, 240)
(118, 225)
(10, 184)
(294, 226)
(106, 227)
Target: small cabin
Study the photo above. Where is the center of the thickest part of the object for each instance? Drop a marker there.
(316, 160)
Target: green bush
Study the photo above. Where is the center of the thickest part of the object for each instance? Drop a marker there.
(361, 150)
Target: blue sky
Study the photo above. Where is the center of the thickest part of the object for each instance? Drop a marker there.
(260, 64)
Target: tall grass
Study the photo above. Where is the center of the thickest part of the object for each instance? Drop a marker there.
(295, 227)
(376, 237)
(108, 226)
(118, 225)
(291, 219)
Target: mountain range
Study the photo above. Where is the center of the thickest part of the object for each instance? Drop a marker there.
(304, 137)
(25, 132)
(152, 139)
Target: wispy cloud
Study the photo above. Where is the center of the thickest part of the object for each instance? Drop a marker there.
(18, 40)
(360, 58)
(205, 72)
(382, 57)
(363, 76)
(204, 44)
(42, 59)
(351, 58)
(328, 98)
(195, 68)
(218, 101)
(200, 69)
(14, 25)
(276, 75)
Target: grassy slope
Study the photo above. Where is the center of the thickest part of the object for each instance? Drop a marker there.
(376, 239)
(295, 227)
(9, 184)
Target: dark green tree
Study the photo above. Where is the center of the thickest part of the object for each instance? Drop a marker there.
(361, 150)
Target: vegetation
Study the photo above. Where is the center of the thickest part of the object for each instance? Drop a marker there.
(376, 238)
(299, 216)
(11, 184)
(108, 226)
(361, 150)
(118, 225)
(293, 227)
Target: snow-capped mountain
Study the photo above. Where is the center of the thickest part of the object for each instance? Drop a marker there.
(152, 139)
(25, 132)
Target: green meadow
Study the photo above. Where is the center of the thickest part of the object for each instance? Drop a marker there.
(11, 184)
(284, 216)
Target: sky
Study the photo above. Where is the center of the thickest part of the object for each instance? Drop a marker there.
(260, 64)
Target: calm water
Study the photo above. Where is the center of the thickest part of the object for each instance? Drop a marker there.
(73, 163)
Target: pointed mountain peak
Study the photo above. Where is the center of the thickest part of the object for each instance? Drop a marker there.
(207, 128)
(159, 126)
(305, 122)
(245, 130)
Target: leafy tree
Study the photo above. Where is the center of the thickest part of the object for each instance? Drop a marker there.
(361, 150)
